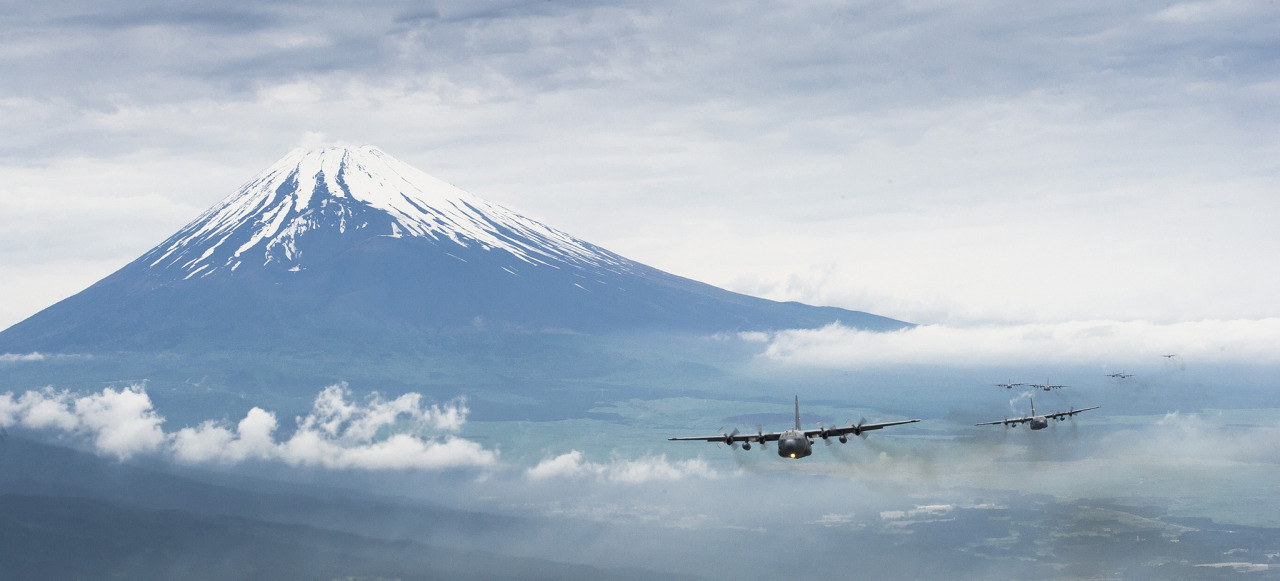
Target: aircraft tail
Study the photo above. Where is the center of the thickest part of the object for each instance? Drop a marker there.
(798, 413)
(1033, 406)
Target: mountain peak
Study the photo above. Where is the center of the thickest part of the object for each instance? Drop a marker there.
(336, 247)
(313, 203)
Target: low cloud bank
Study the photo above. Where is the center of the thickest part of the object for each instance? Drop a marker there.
(21, 357)
(339, 433)
(36, 356)
(1197, 439)
(1252, 341)
(572, 465)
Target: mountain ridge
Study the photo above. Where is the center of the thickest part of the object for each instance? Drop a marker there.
(348, 245)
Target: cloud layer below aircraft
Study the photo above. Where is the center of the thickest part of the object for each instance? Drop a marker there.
(572, 465)
(339, 432)
(1248, 341)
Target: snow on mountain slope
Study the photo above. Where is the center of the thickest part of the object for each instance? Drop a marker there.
(355, 193)
(338, 247)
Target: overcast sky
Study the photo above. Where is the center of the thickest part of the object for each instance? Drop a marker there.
(954, 163)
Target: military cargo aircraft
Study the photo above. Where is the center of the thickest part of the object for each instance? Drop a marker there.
(1038, 422)
(798, 442)
(1046, 386)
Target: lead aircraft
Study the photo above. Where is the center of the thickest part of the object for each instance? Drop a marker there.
(1038, 422)
(796, 443)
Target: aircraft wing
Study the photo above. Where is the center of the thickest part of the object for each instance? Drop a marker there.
(734, 436)
(1070, 413)
(852, 429)
(1008, 421)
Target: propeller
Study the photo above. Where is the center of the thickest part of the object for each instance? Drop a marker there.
(822, 433)
(728, 439)
(760, 438)
(859, 432)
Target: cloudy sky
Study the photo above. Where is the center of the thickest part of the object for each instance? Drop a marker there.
(965, 164)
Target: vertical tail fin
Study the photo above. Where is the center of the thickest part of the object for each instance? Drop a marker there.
(798, 412)
(1033, 406)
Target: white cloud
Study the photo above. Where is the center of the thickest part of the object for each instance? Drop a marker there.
(21, 357)
(122, 422)
(567, 465)
(658, 468)
(119, 423)
(210, 442)
(1180, 439)
(339, 433)
(8, 358)
(46, 409)
(399, 452)
(333, 415)
(637, 471)
(1239, 341)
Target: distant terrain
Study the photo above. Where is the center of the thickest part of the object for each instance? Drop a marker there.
(140, 523)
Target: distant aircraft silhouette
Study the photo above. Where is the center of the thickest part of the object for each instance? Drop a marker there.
(1046, 386)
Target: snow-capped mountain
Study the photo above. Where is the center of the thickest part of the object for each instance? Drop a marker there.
(349, 245)
(280, 219)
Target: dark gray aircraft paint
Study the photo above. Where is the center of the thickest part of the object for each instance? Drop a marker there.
(1037, 422)
(795, 443)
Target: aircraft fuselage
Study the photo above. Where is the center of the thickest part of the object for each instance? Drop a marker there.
(794, 444)
(1038, 423)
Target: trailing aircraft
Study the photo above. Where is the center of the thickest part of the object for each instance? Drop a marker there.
(798, 442)
(1045, 386)
(1038, 422)
(1120, 375)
